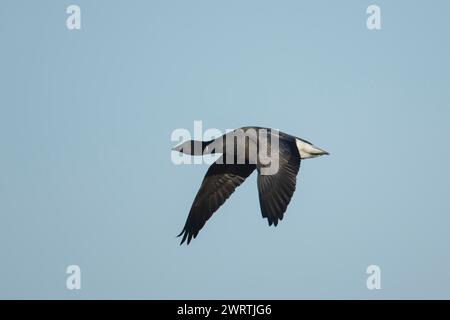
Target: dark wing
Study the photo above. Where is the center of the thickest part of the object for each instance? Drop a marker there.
(218, 184)
(275, 191)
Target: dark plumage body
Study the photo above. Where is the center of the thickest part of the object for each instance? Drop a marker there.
(244, 150)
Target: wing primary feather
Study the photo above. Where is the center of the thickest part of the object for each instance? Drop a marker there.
(219, 183)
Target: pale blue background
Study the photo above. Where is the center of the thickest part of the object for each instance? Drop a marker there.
(85, 170)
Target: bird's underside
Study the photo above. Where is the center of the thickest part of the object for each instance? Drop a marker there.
(221, 180)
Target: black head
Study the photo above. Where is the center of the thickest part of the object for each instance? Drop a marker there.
(191, 147)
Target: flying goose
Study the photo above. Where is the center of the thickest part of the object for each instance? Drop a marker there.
(237, 162)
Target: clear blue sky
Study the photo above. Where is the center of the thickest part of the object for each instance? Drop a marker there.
(85, 170)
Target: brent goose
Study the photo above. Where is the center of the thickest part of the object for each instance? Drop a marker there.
(275, 187)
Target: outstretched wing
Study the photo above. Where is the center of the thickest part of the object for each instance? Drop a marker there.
(275, 191)
(218, 184)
